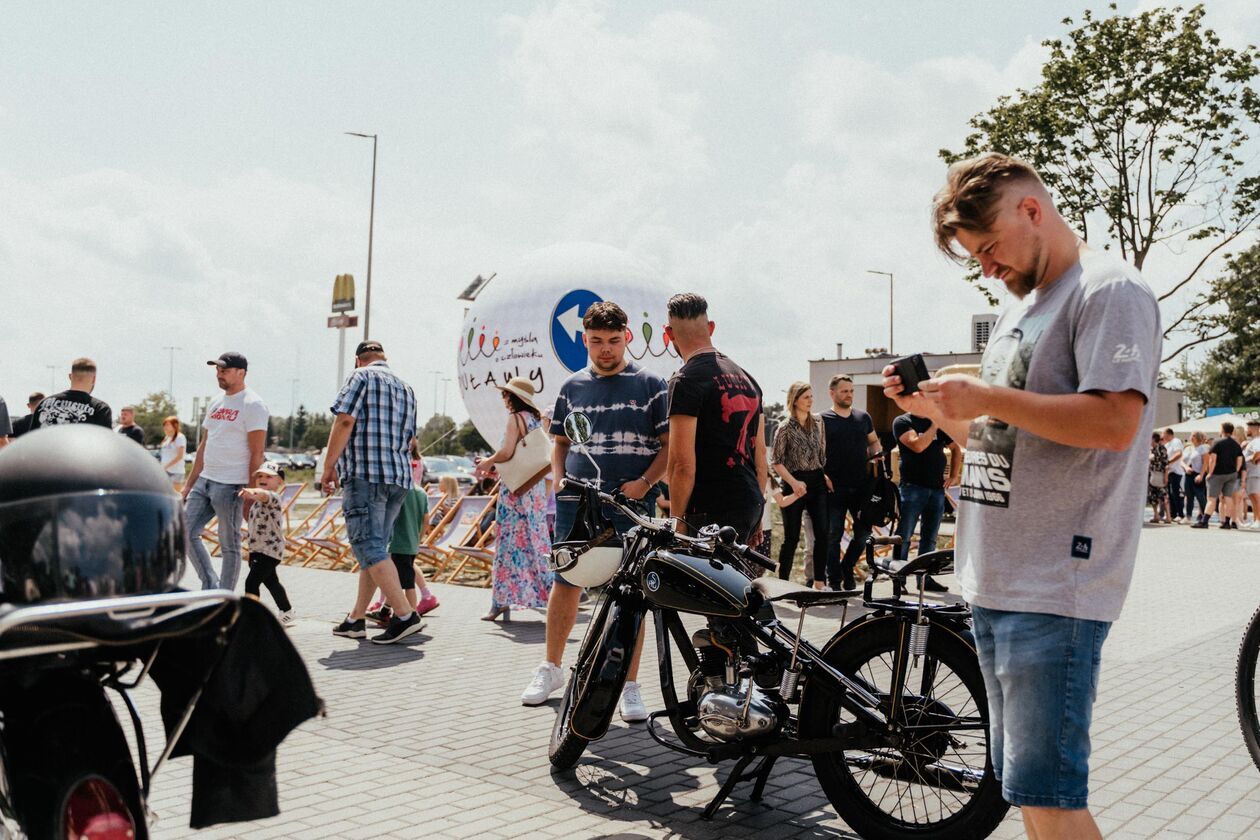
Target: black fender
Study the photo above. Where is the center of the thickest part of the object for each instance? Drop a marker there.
(596, 701)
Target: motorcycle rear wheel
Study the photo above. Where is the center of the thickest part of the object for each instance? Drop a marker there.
(936, 786)
(1245, 687)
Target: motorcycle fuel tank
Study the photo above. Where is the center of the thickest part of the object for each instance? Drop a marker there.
(700, 585)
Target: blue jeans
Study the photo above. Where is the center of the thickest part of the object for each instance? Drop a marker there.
(370, 511)
(1041, 678)
(919, 503)
(206, 500)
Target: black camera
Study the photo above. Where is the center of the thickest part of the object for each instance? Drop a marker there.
(912, 370)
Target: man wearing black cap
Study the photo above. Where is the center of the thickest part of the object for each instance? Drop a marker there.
(369, 455)
(233, 435)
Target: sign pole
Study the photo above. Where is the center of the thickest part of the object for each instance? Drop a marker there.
(341, 357)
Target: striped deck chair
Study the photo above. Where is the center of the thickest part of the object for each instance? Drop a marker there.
(461, 526)
(480, 554)
(320, 523)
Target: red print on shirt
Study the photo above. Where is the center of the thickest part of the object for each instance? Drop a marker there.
(732, 405)
(228, 414)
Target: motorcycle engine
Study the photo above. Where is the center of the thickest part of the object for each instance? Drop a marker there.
(724, 707)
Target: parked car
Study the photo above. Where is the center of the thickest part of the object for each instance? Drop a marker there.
(279, 458)
(465, 464)
(302, 461)
(435, 467)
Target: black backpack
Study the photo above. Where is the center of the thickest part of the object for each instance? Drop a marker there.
(882, 504)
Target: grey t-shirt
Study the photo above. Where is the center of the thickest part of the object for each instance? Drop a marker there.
(1044, 527)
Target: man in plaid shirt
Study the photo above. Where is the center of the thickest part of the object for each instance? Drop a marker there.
(368, 455)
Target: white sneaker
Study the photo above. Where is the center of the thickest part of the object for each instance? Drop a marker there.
(287, 618)
(547, 679)
(631, 706)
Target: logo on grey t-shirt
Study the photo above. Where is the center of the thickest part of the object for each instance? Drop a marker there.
(990, 458)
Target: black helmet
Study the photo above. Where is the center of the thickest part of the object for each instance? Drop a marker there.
(85, 513)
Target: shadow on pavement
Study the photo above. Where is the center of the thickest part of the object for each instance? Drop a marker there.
(370, 657)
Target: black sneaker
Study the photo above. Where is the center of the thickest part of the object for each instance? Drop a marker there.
(931, 584)
(399, 629)
(380, 616)
(351, 629)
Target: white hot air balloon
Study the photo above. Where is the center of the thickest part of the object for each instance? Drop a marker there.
(528, 322)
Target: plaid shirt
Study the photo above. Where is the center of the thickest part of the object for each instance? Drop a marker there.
(384, 411)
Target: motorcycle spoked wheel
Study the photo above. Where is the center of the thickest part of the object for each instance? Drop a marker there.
(566, 746)
(938, 786)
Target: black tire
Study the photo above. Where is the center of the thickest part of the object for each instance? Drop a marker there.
(1245, 687)
(566, 747)
(963, 792)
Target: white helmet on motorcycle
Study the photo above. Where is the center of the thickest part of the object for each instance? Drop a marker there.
(587, 563)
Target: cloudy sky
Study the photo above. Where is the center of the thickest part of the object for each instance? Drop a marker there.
(176, 175)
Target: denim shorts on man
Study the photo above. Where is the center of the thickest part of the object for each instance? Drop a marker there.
(1222, 485)
(370, 510)
(1041, 677)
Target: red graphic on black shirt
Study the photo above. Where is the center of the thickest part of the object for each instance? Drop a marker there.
(228, 414)
(733, 404)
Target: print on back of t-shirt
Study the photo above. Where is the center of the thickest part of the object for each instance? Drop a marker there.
(989, 462)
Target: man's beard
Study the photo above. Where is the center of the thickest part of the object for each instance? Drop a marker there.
(609, 365)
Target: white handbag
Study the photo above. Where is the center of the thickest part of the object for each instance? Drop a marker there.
(529, 464)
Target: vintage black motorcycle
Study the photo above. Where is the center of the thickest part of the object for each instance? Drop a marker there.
(891, 711)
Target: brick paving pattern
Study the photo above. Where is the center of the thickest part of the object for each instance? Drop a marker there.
(429, 739)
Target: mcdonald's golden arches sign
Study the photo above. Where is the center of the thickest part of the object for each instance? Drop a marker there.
(343, 293)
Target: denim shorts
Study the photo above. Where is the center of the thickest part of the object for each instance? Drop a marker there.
(1222, 485)
(370, 510)
(1041, 677)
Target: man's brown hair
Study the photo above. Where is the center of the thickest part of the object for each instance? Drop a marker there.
(83, 365)
(605, 315)
(838, 378)
(1227, 428)
(969, 199)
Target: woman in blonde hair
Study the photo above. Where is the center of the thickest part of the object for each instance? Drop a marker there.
(800, 451)
(172, 452)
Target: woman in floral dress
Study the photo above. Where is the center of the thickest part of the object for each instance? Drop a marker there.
(521, 576)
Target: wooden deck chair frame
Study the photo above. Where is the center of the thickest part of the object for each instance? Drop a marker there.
(437, 550)
(319, 524)
(480, 554)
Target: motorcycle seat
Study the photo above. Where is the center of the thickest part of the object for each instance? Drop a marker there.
(773, 589)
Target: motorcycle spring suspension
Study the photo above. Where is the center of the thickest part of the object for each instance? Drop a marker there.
(919, 638)
(787, 685)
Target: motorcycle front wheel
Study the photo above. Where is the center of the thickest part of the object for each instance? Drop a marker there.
(1245, 687)
(938, 782)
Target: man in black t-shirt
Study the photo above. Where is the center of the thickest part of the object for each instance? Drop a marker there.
(717, 452)
(76, 404)
(6, 428)
(127, 425)
(22, 425)
(922, 446)
(851, 442)
(1221, 465)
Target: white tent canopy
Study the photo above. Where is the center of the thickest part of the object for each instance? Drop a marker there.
(1209, 425)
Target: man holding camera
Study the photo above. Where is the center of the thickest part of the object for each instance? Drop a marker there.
(1066, 382)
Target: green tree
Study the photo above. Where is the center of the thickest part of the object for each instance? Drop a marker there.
(470, 440)
(437, 436)
(316, 434)
(1230, 374)
(150, 412)
(298, 428)
(775, 414)
(1140, 127)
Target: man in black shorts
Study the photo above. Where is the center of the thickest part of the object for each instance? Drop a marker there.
(717, 453)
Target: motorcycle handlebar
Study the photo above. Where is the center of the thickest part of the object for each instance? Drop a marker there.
(622, 503)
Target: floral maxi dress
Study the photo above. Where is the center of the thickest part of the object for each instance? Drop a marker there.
(522, 576)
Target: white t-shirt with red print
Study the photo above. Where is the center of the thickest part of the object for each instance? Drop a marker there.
(229, 420)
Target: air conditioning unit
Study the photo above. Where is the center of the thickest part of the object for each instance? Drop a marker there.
(981, 328)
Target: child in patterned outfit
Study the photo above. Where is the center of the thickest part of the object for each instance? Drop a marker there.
(266, 537)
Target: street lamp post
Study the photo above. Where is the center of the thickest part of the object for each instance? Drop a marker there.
(436, 375)
(367, 304)
(446, 383)
(170, 384)
(888, 274)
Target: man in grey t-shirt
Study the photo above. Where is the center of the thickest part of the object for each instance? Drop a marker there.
(1066, 381)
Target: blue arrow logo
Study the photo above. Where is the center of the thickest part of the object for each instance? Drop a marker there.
(566, 328)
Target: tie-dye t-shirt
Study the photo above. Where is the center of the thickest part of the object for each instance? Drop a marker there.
(628, 416)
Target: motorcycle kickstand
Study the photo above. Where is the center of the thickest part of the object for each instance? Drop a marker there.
(738, 775)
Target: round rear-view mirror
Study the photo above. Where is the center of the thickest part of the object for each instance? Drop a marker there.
(577, 427)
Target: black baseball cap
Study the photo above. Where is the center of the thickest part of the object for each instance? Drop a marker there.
(230, 360)
(368, 347)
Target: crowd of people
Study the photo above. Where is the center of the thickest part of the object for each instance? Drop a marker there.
(1218, 477)
(1045, 572)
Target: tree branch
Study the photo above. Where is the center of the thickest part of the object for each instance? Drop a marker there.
(1189, 344)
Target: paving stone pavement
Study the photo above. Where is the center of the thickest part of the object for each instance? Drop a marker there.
(429, 739)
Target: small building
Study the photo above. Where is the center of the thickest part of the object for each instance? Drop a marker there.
(1170, 404)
